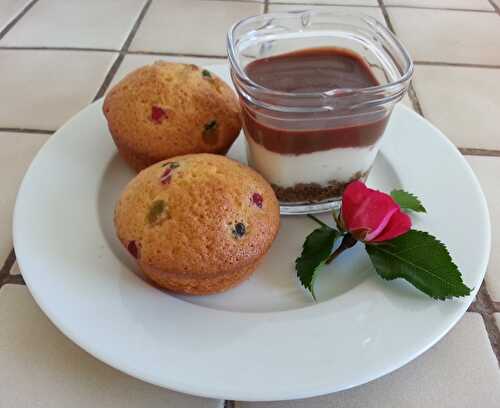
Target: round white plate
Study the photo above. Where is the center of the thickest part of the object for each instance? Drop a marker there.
(266, 339)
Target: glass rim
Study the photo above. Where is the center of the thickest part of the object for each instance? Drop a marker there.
(335, 92)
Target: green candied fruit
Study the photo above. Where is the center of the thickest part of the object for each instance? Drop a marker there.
(156, 211)
(206, 73)
(172, 165)
(210, 126)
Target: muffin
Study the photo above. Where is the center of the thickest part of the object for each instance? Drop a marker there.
(168, 109)
(197, 224)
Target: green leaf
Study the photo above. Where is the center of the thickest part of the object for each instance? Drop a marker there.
(407, 201)
(317, 246)
(422, 260)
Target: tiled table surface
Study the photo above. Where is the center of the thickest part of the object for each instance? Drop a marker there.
(57, 56)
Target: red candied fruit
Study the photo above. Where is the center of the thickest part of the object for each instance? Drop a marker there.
(257, 199)
(166, 177)
(132, 248)
(158, 114)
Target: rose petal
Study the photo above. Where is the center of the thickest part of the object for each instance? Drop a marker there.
(366, 209)
(399, 224)
(383, 223)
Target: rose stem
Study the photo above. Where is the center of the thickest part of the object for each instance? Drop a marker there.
(347, 242)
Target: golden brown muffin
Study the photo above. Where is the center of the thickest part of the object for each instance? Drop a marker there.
(197, 224)
(168, 109)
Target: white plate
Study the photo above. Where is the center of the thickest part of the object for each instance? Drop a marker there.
(266, 339)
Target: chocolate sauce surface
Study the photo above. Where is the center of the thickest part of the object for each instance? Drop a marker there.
(306, 71)
(312, 70)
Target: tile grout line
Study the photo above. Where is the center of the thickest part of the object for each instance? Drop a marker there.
(54, 48)
(383, 9)
(15, 20)
(441, 8)
(110, 50)
(119, 59)
(240, 1)
(412, 94)
(471, 151)
(15, 280)
(215, 56)
(285, 3)
(7, 266)
(494, 5)
(486, 307)
(304, 3)
(175, 54)
(24, 130)
(456, 64)
(411, 90)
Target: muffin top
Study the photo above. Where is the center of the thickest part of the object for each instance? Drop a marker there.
(197, 215)
(168, 109)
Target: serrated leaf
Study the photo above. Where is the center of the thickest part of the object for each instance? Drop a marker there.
(422, 260)
(317, 246)
(407, 201)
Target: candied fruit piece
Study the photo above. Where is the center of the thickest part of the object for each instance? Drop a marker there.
(210, 132)
(166, 177)
(206, 74)
(132, 248)
(257, 199)
(157, 211)
(158, 114)
(239, 230)
(171, 165)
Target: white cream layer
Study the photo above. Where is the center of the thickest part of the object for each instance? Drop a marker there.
(286, 170)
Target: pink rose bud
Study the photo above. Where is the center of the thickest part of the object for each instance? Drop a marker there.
(372, 216)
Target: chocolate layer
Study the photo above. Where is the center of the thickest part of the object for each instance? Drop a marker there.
(312, 70)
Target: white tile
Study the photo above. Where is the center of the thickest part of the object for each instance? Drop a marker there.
(191, 26)
(370, 11)
(10, 9)
(42, 368)
(63, 23)
(448, 36)
(457, 4)
(16, 153)
(460, 371)
(463, 102)
(487, 170)
(331, 2)
(43, 89)
(132, 61)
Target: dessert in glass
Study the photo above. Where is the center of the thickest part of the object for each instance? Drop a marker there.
(317, 89)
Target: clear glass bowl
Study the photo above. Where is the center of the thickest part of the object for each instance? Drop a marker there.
(278, 125)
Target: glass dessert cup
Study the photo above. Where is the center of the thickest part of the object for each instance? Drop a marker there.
(310, 144)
